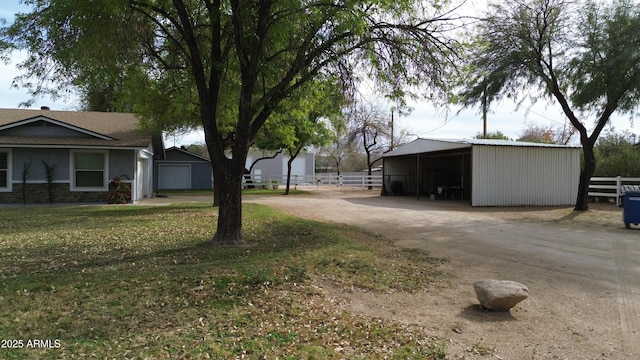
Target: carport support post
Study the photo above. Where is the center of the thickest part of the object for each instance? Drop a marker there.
(418, 176)
(462, 184)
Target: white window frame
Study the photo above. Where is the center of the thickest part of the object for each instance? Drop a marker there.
(72, 169)
(9, 186)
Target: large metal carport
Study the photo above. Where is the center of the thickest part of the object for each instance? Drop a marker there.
(484, 172)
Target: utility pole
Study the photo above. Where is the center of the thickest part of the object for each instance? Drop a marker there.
(484, 113)
(391, 125)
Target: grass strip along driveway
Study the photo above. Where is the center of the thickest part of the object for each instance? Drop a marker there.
(141, 282)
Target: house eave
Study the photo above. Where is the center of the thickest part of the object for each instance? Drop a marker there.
(96, 147)
(56, 123)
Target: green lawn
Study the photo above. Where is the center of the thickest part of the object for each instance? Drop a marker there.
(126, 281)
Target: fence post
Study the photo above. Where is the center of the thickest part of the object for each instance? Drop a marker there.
(618, 185)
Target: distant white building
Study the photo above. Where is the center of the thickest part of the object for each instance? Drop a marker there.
(303, 166)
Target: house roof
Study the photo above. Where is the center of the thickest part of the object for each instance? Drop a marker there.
(78, 128)
(422, 145)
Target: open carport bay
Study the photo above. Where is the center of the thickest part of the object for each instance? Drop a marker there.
(442, 174)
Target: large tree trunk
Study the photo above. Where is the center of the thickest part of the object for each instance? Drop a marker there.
(216, 194)
(582, 201)
(227, 177)
(229, 183)
(587, 142)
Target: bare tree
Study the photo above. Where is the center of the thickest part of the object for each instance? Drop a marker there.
(560, 134)
(369, 127)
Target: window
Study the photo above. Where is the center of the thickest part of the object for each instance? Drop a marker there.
(4, 170)
(89, 170)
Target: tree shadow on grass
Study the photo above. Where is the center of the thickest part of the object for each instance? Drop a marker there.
(273, 240)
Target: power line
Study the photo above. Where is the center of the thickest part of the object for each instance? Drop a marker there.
(445, 122)
(544, 117)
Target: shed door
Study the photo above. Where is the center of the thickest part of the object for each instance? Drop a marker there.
(174, 176)
(298, 167)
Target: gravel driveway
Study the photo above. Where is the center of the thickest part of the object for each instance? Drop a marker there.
(582, 270)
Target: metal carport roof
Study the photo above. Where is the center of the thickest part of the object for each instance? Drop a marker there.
(423, 145)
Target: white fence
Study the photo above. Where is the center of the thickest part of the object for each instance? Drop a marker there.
(352, 180)
(609, 187)
(257, 180)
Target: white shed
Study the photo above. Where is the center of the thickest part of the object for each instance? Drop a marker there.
(484, 172)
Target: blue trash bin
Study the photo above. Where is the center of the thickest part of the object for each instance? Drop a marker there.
(630, 203)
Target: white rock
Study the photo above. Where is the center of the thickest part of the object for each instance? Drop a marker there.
(500, 295)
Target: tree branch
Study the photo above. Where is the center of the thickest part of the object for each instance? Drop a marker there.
(264, 158)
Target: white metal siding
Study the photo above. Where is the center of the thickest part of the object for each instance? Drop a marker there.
(524, 176)
(298, 166)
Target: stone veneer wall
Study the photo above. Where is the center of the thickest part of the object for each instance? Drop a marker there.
(39, 193)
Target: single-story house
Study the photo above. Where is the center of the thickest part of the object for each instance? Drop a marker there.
(270, 169)
(484, 172)
(70, 156)
(182, 169)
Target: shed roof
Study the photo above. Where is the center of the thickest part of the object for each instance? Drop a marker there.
(187, 153)
(422, 145)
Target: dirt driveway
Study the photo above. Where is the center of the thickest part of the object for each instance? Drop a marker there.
(582, 270)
